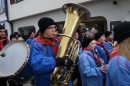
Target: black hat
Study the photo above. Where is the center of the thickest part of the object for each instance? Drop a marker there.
(107, 33)
(98, 35)
(122, 31)
(44, 23)
(86, 42)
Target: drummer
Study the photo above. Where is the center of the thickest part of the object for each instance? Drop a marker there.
(3, 42)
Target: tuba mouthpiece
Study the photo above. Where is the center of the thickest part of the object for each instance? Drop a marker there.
(55, 33)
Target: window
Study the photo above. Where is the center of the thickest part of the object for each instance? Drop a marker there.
(24, 31)
(60, 25)
(2, 6)
(14, 1)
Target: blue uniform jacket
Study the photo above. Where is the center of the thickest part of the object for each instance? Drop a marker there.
(42, 64)
(103, 56)
(29, 41)
(80, 49)
(102, 53)
(118, 72)
(90, 73)
(108, 46)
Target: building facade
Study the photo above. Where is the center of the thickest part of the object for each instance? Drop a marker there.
(105, 14)
(3, 19)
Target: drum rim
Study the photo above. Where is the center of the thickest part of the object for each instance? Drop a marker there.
(26, 60)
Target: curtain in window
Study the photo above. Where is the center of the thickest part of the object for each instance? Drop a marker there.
(3, 5)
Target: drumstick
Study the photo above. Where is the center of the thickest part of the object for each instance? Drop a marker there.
(2, 54)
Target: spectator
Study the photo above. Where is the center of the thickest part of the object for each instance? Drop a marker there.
(93, 32)
(30, 39)
(18, 37)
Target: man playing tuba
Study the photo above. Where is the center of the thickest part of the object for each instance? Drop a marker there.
(43, 51)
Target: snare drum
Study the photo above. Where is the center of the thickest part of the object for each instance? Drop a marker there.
(15, 65)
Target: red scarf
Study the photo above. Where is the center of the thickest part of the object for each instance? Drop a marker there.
(58, 39)
(98, 43)
(48, 42)
(114, 51)
(94, 55)
(1, 44)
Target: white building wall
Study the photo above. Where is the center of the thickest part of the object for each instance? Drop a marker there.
(2, 17)
(3, 20)
(32, 7)
(57, 15)
(127, 18)
(110, 11)
(107, 9)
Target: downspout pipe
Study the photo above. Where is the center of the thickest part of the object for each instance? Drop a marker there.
(7, 15)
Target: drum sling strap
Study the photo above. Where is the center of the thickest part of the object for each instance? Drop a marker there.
(46, 51)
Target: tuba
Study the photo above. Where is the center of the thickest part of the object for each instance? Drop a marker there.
(68, 46)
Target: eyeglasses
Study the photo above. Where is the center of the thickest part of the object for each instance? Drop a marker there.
(52, 27)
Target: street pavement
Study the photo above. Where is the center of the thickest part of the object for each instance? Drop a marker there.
(29, 84)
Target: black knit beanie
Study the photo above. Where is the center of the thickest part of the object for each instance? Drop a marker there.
(107, 33)
(44, 23)
(98, 35)
(86, 42)
(122, 32)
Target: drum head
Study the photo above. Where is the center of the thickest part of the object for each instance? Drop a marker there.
(17, 54)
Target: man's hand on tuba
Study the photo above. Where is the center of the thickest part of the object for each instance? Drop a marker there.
(64, 61)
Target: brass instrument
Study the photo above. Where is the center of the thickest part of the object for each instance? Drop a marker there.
(68, 46)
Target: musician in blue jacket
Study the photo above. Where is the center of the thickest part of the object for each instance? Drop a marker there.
(89, 67)
(76, 74)
(43, 52)
(102, 51)
(107, 43)
(118, 71)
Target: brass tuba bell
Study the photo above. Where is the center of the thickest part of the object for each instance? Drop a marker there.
(68, 46)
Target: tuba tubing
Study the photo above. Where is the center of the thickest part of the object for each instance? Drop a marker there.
(68, 46)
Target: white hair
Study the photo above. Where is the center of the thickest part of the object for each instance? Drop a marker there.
(94, 31)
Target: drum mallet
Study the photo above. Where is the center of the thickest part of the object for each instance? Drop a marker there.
(2, 54)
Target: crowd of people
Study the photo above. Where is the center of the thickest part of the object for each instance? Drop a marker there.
(99, 62)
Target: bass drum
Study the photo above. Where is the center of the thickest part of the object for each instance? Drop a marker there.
(15, 65)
